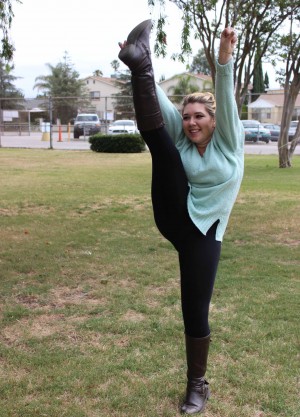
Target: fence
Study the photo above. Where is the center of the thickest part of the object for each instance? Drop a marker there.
(21, 117)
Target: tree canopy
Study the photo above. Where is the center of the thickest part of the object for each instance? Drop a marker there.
(67, 90)
(200, 64)
(123, 103)
(6, 16)
(10, 96)
(257, 24)
(261, 29)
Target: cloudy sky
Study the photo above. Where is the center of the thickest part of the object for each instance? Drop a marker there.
(89, 31)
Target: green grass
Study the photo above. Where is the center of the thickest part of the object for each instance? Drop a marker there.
(90, 305)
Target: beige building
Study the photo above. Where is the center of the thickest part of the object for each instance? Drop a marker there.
(101, 90)
(268, 107)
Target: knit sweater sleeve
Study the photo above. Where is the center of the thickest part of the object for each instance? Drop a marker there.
(230, 130)
(171, 116)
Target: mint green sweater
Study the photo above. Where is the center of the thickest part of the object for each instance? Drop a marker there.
(214, 178)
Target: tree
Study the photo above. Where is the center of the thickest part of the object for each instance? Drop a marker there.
(256, 22)
(184, 86)
(115, 64)
(258, 78)
(123, 104)
(6, 16)
(200, 64)
(10, 96)
(266, 81)
(98, 73)
(290, 54)
(67, 91)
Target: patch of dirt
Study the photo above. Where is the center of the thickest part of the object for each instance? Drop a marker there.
(122, 203)
(39, 327)
(25, 209)
(60, 297)
(133, 316)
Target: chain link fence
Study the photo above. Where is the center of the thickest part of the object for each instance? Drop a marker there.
(25, 116)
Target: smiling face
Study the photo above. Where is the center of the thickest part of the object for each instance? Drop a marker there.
(198, 124)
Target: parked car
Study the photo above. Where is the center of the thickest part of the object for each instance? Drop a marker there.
(122, 126)
(274, 130)
(292, 129)
(254, 131)
(86, 124)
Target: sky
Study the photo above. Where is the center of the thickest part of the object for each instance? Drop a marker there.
(89, 31)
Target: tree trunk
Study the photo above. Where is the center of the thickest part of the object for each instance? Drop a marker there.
(290, 94)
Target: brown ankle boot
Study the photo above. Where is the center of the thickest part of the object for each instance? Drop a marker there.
(136, 55)
(197, 392)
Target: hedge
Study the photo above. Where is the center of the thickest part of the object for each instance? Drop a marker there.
(127, 143)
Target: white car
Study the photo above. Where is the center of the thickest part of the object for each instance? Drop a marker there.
(122, 126)
(292, 129)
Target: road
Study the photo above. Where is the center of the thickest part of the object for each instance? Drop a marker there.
(35, 141)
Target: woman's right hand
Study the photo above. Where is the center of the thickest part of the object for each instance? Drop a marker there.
(227, 44)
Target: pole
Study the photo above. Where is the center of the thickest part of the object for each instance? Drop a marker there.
(106, 115)
(50, 117)
(29, 122)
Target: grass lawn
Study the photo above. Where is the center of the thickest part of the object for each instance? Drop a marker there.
(90, 306)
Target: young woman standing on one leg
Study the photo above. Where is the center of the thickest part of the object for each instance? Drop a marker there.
(197, 168)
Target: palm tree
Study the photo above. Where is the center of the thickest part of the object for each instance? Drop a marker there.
(115, 65)
(98, 73)
(184, 86)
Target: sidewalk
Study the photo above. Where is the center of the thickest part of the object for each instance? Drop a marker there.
(35, 141)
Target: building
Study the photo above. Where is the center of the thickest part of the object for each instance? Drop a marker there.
(101, 90)
(203, 81)
(269, 106)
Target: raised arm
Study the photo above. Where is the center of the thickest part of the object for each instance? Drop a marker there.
(228, 124)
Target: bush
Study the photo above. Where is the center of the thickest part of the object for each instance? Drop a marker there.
(127, 143)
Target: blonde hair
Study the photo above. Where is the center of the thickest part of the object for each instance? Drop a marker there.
(208, 99)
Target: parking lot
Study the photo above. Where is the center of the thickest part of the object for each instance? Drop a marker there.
(36, 140)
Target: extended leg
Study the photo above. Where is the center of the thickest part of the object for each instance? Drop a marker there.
(169, 183)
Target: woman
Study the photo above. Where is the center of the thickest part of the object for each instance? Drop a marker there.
(197, 168)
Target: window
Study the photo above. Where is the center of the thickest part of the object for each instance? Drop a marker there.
(95, 95)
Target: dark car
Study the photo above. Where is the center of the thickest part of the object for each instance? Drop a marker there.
(86, 124)
(254, 131)
(274, 130)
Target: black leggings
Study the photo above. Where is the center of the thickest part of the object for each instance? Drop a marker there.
(198, 254)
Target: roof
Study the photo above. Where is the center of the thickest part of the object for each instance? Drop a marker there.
(270, 100)
(200, 76)
(106, 80)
